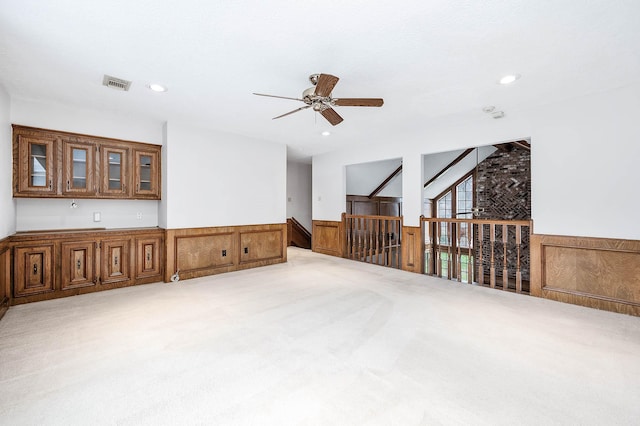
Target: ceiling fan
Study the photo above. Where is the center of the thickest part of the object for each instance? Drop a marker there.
(319, 98)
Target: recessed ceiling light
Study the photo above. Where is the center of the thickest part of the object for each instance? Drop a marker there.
(326, 133)
(157, 87)
(508, 79)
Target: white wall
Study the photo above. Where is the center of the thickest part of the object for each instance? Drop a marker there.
(584, 166)
(584, 159)
(50, 213)
(7, 204)
(219, 179)
(56, 213)
(364, 178)
(299, 192)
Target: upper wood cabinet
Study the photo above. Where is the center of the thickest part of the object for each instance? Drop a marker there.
(146, 169)
(35, 173)
(79, 168)
(49, 163)
(115, 171)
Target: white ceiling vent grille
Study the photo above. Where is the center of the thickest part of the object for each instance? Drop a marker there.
(116, 83)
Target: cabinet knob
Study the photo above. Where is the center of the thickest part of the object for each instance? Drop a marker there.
(115, 260)
(35, 268)
(68, 185)
(148, 257)
(78, 264)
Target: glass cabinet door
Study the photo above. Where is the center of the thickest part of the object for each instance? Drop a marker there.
(144, 184)
(79, 165)
(114, 171)
(147, 174)
(36, 173)
(38, 165)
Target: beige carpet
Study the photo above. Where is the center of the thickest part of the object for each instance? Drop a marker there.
(316, 341)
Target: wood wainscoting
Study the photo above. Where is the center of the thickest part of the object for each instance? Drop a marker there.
(412, 249)
(197, 252)
(5, 275)
(599, 273)
(328, 237)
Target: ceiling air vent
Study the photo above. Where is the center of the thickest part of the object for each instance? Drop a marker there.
(116, 83)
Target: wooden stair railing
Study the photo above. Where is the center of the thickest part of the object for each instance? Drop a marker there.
(373, 239)
(297, 234)
(487, 252)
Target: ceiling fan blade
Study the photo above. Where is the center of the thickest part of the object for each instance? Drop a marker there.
(332, 116)
(281, 97)
(326, 83)
(291, 112)
(364, 102)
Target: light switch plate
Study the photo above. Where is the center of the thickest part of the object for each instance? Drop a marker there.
(96, 217)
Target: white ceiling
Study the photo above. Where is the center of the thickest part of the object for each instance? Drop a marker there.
(426, 58)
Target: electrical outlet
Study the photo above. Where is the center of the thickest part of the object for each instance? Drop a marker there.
(96, 216)
(224, 253)
(246, 250)
(139, 215)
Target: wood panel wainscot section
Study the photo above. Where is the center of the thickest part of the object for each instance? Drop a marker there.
(52, 264)
(599, 273)
(328, 238)
(198, 252)
(5, 276)
(412, 249)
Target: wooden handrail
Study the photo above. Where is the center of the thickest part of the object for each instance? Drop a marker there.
(478, 221)
(373, 239)
(464, 249)
(364, 216)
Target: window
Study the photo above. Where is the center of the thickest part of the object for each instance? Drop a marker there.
(458, 198)
(444, 210)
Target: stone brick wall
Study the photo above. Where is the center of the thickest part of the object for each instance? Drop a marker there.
(504, 185)
(504, 191)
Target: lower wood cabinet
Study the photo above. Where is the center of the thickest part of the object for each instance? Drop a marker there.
(149, 257)
(56, 264)
(115, 261)
(34, 272)
(78, 264)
